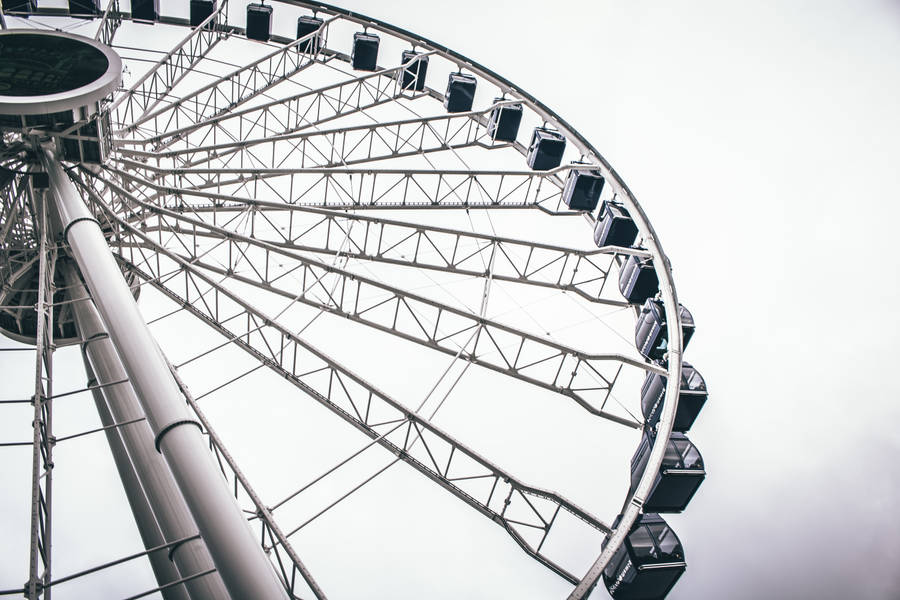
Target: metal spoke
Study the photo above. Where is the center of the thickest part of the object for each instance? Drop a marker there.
(398, 242)
(352, 188)
(230, 91)
(297, 112)
(586, 378)
(180, 61)
(339, 146)
(42, 442)
(109, 23)
(358, 402)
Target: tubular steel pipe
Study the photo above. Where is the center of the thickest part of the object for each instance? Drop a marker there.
(237, 556)
(164, 570)
(169, 515)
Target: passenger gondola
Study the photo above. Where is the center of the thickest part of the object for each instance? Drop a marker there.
(413, 76)
(364, 55)
(679, 476)
(647, 564)
(638, 280)
(651, 335)
(503, 124)
(583, 189)
(259, 22)
(305, 26)
(546, 149)
(460, 92)
(691, 398)
(614, 226)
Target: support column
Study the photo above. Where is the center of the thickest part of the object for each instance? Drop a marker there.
(237, 555)
(39, 572)
(159, 509)
(164, 569)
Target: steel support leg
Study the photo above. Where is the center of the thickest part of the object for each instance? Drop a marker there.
(38, 582)
(164, 569)
(169, 513)
(238, 557)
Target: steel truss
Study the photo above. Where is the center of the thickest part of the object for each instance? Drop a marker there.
(156, 84)
(319, 149)
(371, 411)
(333, 232)
(230, 91)
(290, 114)
(38, 584)
(349, 188)
(586, 378)
(109, 23)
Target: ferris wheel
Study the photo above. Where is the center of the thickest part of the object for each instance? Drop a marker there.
(299, 304)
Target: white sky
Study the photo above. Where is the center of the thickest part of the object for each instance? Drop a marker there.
(760, 139)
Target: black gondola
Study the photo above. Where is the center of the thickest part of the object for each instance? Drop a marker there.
(614, 226)
(305, 26)
(84, 7)
(145, 10)
(691, 398)
(259, 22)
(503, 124)
(19, 6)
(414, 74)
(364, 55)
(648, 563)
(651, 335)
(638, 280)
(546, 149)
(200, 11)
(679, 476)
(583, 189)
(460, 92)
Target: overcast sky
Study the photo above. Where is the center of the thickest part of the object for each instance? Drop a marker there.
(761, 139)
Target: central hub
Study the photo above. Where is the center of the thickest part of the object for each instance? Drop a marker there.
(50, 72)
(53, 85)
(34, 64)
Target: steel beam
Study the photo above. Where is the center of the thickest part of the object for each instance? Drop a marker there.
(109, 23)
(39, 571)
(240, 561)
(164, 569)
(586, 378)
(156, 84)
(232, 90)
(492, 491)
(296, 112)
(169, 513)
(340, 146)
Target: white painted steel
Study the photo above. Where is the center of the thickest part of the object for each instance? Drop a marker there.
(241, 562)
(169, 513)
(164, 570)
